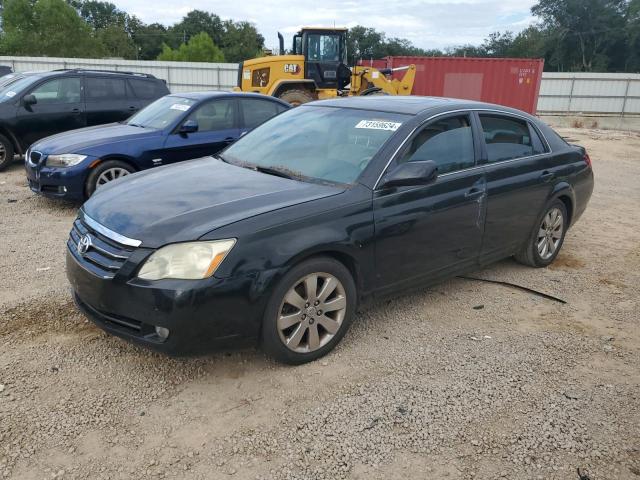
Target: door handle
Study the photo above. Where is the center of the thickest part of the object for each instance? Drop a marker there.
(229, 139)
(547, 175)
(75, 110)
(474, 193)
(132, 108)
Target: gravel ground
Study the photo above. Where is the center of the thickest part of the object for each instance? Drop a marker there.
(463, 380)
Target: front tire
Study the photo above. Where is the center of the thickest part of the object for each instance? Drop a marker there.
(545, 242)
(309, 311)
(6, 152)
(106, 172)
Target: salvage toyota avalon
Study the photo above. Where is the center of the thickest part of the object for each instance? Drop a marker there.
(327, 205)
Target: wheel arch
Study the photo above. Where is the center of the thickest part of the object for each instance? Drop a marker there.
(336, 253)
(564, 192)
(284, 85)
(17, 147)
(122, 158)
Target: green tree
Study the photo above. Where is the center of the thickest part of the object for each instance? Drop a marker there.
(46, 27)
(364, 43)
(241, 41)
(149, 39)
(192, 24)
(116, 43)
(584, 31)
(199, 49)
(632, 33)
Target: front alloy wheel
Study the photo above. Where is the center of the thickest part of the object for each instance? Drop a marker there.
(309, 311)
(312, 312)
(110, 175)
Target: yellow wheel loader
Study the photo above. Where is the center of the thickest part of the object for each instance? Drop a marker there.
(317, 69)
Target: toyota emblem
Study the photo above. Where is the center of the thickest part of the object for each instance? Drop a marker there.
(84, 244)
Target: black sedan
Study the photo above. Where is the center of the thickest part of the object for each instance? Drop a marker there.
(325, 206)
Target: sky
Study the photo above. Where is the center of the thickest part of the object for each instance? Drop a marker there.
(427, 23)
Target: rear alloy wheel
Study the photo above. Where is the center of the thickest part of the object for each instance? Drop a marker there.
(6, 152)
(545, 243)
(107, 172)
(309, 311)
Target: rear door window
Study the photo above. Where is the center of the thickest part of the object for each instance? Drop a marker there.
(508, 138)
(146, 89)
(447, 141)
(101, 88)
(256, 112)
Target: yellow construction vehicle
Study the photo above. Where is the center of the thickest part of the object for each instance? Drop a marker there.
(317, 69)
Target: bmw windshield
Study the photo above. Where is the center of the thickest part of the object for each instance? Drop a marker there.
(319, 143)
(161, 113)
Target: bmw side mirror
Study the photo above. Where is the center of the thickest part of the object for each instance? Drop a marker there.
(190, 126)
(420, 172)
(29, 100)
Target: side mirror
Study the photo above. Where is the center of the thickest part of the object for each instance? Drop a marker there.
(190, 126)
(29, 100)
(411, 174)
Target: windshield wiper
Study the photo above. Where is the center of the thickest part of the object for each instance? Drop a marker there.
(272, 171)
(220, 157)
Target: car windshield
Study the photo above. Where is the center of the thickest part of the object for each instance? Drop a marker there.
(313, 142)
(14, 87)
(161, 113)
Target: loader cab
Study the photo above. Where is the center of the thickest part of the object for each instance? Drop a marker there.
(325, 54)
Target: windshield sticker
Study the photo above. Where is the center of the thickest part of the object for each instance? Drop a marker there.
(378, 125)
(179, 106)
(10, 93)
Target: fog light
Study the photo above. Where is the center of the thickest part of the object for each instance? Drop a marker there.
(62, 189)
(162, 332)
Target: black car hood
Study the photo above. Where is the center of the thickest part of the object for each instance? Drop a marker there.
(178, 203)
(83, 140)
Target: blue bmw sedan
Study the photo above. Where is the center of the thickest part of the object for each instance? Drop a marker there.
(72, 165)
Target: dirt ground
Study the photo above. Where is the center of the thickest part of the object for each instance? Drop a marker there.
(463, 380)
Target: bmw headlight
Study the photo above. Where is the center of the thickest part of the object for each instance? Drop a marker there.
(64, 160)
(187, 261)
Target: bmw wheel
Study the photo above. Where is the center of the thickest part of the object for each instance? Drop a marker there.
(106, 172)
(309, 311)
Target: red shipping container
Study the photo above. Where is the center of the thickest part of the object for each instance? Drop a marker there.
(373, 63)
(513, 82)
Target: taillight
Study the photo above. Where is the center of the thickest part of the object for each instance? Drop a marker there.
(587, 159)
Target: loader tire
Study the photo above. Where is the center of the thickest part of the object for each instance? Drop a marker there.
(296, 97)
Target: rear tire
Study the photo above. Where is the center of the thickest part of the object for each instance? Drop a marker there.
(547, 238)
(105, 172)
(6, 152)
(296, 97)
(309, 311)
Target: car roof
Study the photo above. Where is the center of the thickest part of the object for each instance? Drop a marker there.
(409, 105)
(221, 93)
(84, 71)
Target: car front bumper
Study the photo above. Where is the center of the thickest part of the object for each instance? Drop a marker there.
(63, 183)
(201, 315)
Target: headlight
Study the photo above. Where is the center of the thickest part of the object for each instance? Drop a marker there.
(64, 160)
(187, 261)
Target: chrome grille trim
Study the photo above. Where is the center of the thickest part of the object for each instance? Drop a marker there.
(116, 237)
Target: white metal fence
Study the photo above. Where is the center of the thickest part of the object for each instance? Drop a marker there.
(590, 94)
(180, 76)
(560, 93)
